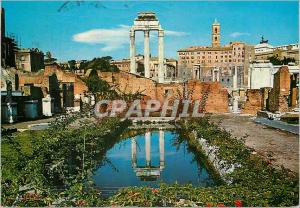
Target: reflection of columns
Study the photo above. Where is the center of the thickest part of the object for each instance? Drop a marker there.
(146, 54)
(148, 147)
(133, 152)
(132, 52)
(161, 149)
(160, 56)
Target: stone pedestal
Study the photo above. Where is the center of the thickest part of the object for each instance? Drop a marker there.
(48, 106)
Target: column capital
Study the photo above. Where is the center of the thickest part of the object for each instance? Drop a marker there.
(132, 32)
(146, 33)
(161, 33)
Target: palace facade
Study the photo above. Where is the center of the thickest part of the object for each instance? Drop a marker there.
(216, 62)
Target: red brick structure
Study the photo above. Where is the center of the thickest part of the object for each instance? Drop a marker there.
(272, 99)
(41, 79)
(60, 85)
(213, 98)
(278, 97)
(254, 102)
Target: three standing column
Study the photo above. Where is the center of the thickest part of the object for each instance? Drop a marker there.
(161, 70)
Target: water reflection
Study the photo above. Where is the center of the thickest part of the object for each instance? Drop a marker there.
(148, 172)
(150, 158)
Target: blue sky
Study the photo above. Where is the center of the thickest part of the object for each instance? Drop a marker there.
(94, 29)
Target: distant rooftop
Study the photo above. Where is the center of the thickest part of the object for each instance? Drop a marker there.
(28, 50)
(209, 48)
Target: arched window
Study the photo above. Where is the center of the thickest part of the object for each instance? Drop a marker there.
(216, 38)
(216, 30)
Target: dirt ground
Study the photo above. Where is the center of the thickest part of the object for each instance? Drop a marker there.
(283, 146)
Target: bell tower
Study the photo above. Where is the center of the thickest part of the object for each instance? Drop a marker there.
(215, 35)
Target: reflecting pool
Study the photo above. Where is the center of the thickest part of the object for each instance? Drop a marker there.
(148, 159)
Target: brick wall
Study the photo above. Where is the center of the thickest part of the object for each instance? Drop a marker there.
(41, 79)
(278, 97)
(210, 94)
(254, 102)
(216, 101)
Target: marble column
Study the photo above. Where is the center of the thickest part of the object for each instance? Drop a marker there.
(235, 104)
(249, 76)
(148, 148)
(133, 152)
(200, 73)
(132, 52)
(161, 149)
(147, 53)
(213, 75)
(161, 70)
(235, 91)
(235, 78)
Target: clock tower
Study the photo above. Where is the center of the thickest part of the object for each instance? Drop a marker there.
(216, 34)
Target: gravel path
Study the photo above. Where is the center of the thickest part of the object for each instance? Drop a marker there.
(283, 146)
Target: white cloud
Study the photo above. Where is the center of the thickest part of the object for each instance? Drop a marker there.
(175, 33)
(238, 34)
(115, 38)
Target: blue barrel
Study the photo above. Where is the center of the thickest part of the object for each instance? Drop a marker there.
(31, 109)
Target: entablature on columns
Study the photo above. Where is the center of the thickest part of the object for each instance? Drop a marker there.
(146, 27)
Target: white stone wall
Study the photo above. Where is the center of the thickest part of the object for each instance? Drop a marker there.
(223, 167)
(261, 75)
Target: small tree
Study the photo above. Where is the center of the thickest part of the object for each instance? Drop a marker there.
(102, 64)
(276, 61)
(99, 88)
(72, 65)
(49, 59)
